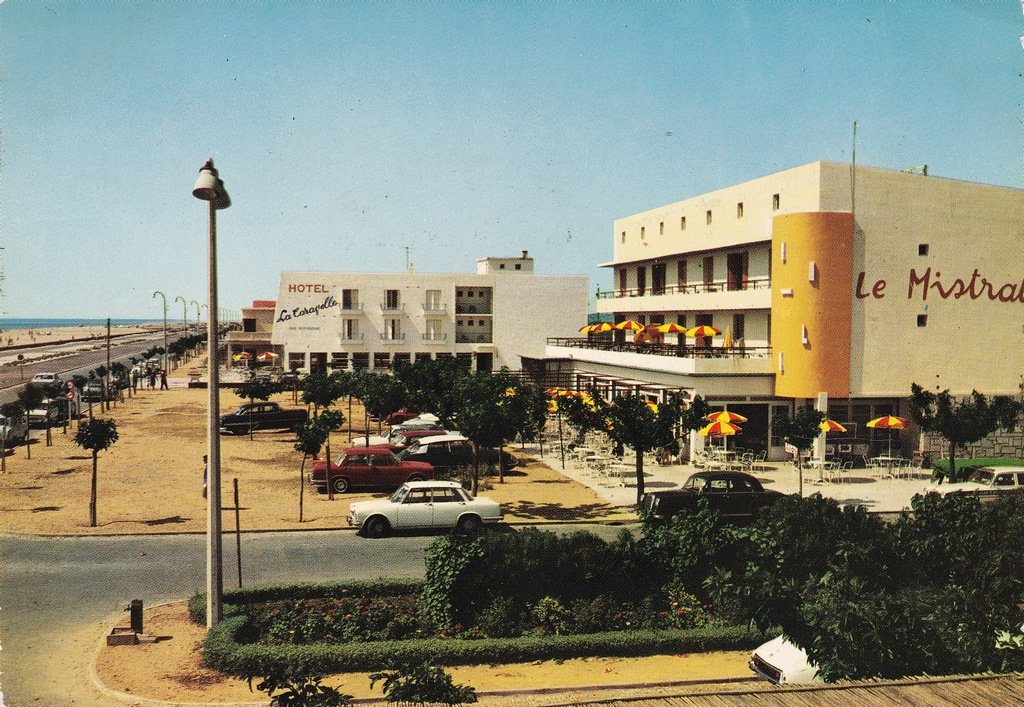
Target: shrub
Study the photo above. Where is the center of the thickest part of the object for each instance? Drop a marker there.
(502, 619)
(422, 683)
(550, 617)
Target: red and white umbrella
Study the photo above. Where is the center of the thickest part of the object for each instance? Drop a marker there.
(630, 325)
(701, 331)
(889, 422)
(266, 356)
(725, 416)
(828, 425)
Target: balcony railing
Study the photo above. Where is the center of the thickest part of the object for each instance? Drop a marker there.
(354, 336)
(676, 350)
(435, 337)
(760, 283)
(476, 308)
(392, 338)
(435, 308)
(385, 307)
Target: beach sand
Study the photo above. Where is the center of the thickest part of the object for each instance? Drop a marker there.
(22, 338)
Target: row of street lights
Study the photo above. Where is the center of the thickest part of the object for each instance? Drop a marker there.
(184, 316)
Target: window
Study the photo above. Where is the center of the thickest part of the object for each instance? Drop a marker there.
(392, 329)
(433, 331)
(350, 299)
(643, 233)
(658, 278)
(641, 280)
(709, 270)
(661, 228)
(682, 223)
(707, 216)
(623, 240)
(382, 359)
(349, 329)
(432, 301)
(519, 266)
(739, 210)
(738, 326)
(391, 299)
(922, 249)
(775, 202)
(622, 282)
(339, 360)
(922, 320)
(681, 274)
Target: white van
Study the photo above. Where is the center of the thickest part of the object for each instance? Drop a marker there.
(783, 663)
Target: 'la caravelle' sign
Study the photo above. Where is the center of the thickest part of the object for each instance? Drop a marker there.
(296, 312)
(974, 287)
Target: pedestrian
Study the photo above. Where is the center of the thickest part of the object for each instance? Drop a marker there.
(163, 380)
(152, 379)
(135, 380)
(204, 476)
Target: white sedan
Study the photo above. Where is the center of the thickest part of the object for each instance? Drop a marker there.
(986, 482)
(424, 504)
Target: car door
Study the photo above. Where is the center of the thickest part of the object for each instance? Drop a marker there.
(416, 510)
(387, 469)
(449, 504)
(742, 501)
(716, 491)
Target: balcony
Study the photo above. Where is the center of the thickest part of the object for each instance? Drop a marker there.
(474, 308)
(392, 338)
(435, 308)
(473, 339)
(435, 337)
(354, 336)
(392, 309)
(757, 283)
(670, 358)
(351, 308)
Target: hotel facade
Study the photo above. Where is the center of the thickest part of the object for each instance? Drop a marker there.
(489, 319)
(826, 282)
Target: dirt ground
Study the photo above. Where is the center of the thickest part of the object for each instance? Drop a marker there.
(150, 481)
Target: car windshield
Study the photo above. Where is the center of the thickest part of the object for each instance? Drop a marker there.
(399, 495)
(982, 476)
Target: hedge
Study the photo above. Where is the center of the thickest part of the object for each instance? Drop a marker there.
(224, 649)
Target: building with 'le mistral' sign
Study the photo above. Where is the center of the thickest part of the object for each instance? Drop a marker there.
(824, 281)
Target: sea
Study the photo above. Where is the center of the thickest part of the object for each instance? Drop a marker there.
(44, 324)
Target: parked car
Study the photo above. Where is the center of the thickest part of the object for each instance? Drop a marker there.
(424, 504)
(450, 451)
(783, 663)
(261, 416)
(738, 496)
(392, 435)
(92, 391)
(50, 381)
(46, 415)
(368, 467)
(987, 482)
(13, 430)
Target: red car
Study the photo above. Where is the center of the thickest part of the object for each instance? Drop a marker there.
(368, 467)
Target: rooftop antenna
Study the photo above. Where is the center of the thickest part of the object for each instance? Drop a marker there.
(408, 264)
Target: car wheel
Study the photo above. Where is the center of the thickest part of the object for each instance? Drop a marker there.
(469, 524)
(339, 484)
(377, 527)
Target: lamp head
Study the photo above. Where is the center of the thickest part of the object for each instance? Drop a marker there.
(210, 188)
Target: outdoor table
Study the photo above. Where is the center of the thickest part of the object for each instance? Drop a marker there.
(887, 462)
(820, 465)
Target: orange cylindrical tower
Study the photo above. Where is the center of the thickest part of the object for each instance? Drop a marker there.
(812, 272)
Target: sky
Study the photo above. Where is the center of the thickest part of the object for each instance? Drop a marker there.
(376, 136)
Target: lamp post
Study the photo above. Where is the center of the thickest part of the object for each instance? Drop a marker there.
(158, 292)
(184, 311)
(199, 314)
(210, 189)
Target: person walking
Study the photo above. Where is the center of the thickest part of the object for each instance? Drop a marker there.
(163, 380)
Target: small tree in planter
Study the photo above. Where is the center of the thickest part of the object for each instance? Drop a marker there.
(643, 426)
(800, 431)
(312, 436)
(255, 389)
(95, 435)
(31, 397)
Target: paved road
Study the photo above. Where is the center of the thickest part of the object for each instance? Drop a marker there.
(55, 590)
(72, 359)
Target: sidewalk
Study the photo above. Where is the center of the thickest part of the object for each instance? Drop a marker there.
(858, 488)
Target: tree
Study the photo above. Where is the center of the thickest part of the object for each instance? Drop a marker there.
(255, 389)
(322, 391)
(961, 422)
(96, 436)
(799, 431)
(484, 416)
(636, 423)
(311, 438)
(432, 385)
(381, 394)
(31, 398)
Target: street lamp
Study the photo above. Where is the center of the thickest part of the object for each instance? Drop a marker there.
(158, 292)
(210, 189)
(199, 314)
(184, 311)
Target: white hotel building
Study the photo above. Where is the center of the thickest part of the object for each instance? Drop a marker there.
(853, 282)
(489, 319)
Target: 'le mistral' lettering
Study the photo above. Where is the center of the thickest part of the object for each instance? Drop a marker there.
(928, 282)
